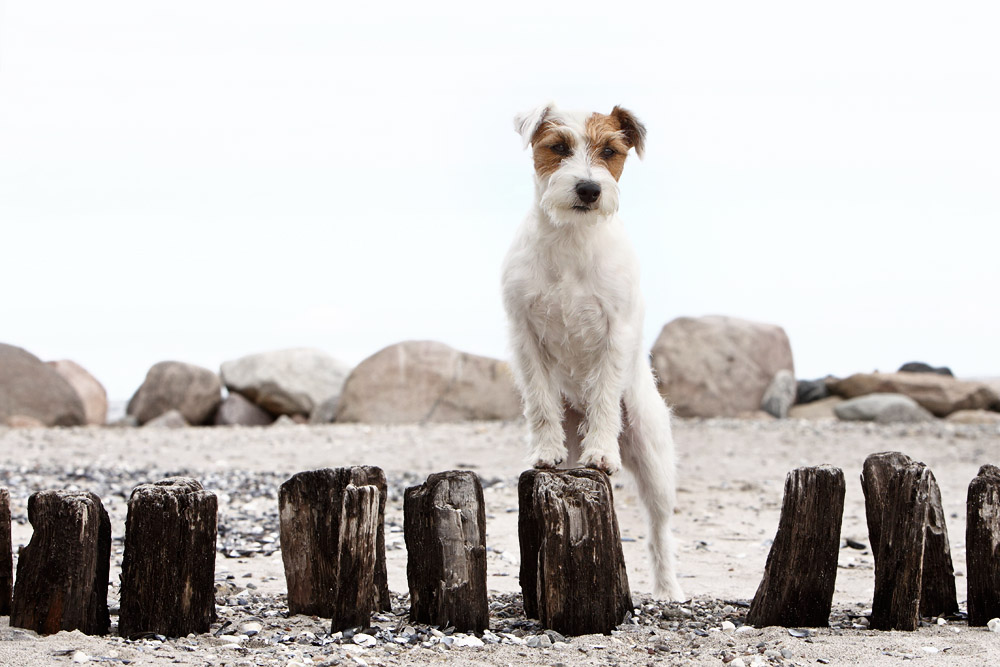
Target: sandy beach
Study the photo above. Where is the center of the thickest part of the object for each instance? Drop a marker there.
(731, 478)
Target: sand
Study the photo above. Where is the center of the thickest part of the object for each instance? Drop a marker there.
(731, 478)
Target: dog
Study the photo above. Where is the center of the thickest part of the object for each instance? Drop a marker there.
(571, 293)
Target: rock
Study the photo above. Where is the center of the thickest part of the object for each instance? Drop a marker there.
(239, 411)
(940, 394)
(169, 419)
(882, 408)
(718, 366)
(23, 421)
(993, 624)
(821, 409)
(193, 391)
(426, 381)
(780, 394)
(325, 412)
(921, 367)
(286, 382)
(808, 391)
(90, 391)
(974, 417)
(30, 388)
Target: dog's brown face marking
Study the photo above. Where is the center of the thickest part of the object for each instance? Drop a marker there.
(606, 138)
(551, 144)
(606, 143)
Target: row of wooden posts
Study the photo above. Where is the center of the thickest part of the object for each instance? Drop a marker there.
(333, 547)
(572, 575)
(914, 575)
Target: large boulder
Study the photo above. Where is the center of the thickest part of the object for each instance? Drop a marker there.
(286, 382)
(239, 411)
(30, 388)
(91, 392)
(425, 381)
(883, 409)
(779, 395)
(940, 394)
(718, 366)
(193, 391)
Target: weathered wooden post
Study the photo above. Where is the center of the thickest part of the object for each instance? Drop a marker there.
(982, 545)
(168, 569)
(801, 571)
(333, 544)
(913, 568)
(444, 522)
(573, 576)
(62, 574)
(6, 554)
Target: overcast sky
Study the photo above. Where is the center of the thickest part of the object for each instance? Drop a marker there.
(202, 180)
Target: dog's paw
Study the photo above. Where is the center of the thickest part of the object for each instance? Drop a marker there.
(609, 462)
(548, 458)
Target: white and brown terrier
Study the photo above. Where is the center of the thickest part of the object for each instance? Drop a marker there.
(571, 291)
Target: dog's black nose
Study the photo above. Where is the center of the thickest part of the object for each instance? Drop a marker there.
(588, 191)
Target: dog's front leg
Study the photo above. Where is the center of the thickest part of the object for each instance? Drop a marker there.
(603, 396)
(543, 403)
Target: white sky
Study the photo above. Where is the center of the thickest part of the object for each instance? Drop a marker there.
(203, 180)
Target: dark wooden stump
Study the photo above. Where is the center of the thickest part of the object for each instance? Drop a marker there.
(6, 555)
(168, 570)
(333, 544)
(62, 574)
(982, 545)
(444, 522)
(573, 576)
(913, 568)
(801, 570)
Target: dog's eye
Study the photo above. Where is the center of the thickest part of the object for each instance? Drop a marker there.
(609, 152)
(560, 149)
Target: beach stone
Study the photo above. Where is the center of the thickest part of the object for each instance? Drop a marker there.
(780, 394)
(23, 421)
(882, 408)
(921, 367)
(939, 394)
(31, 388)
(974, 417)
(427, 381)
(808, 391)
(718, 366)
(238, 410)
(90, 391)
(325, 412)
(193, 391)
(286, 382)
(169, 419)
(821, 409)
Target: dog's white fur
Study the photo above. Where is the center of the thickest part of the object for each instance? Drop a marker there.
(571, 291)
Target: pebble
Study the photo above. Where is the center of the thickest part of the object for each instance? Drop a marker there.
(468, 640)
(728, 626)
(993, 624)
(929, 649)
(251, 628)
(364, 640)
(80, 657)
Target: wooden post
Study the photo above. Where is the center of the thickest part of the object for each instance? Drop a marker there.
(444, 522)
(982, 545)
(573, 576)
(334, 561)
(168, 569)
(886, 502)
(801, 571)
(6, 555)
(62, 574)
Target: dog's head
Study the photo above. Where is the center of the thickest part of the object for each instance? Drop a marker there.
(579, 158)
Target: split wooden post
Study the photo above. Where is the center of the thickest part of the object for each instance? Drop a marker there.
(444, 524)
(906, 528)
(982, 545)
(573, 576)
(62, 574)
(801, 571)
(331, 523)
(6, 555)
(168, 569)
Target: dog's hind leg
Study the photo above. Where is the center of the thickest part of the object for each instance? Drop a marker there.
(648, 454)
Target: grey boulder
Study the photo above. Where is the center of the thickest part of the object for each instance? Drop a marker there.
(193, 391)
(90, 391)
(286, 382)
(779, 395)
(239, 411)
(30, 388)
(882, 408)
(426, 381)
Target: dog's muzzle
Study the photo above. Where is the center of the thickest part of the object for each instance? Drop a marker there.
(588, 192)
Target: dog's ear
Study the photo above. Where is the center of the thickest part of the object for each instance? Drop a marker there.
(634, 131)
(526, 124)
